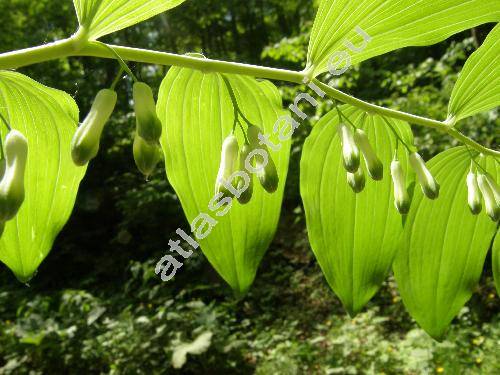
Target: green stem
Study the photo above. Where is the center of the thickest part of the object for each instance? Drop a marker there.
(205, 65)
(77, 46)
(233, 101)
(122, 63)
(342, 116)
(474, 162)
(372, 108)
(244, 134)
(35, 55)
(398, 138)
(73, 47)
(6, 123)
(117, 79)
(46, 52)
(410, 118)
(470, 142)
(237, 109)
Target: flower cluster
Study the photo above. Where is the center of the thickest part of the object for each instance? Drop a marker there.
(481, 184)
(232, 180)
(356, 144)
(146, 151)
(427, 182)
(352, 144)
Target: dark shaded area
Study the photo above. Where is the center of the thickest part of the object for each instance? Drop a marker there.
(96, 306)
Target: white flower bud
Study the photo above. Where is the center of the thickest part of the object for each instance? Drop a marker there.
(494, 187)
(474, 194)
(429, 185)
(350, 152)
(373, 163)
(228, 164)
(401, 197)
(490, 203)
(12, 191)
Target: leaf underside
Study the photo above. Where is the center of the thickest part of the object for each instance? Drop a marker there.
(495, 258)
(353, 236)
(391, 25)
(444, 246)
(478, 85)
(102, 17)
(48, 119)
(197, 114)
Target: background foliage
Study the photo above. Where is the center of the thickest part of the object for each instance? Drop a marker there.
(96, 306)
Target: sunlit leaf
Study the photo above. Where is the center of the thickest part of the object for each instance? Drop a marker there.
(353, 236)
(495, 258)
(101, 17)
(478, 85)
(197, 114)
(48, 119)
(444, 246)
(391, 25)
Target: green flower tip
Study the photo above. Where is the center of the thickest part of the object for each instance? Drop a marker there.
(246, 196)
(429, 185)
(356, 180)
(491, 196)
(372, 162)
(401, 197)
(146, 155)
(267, 174)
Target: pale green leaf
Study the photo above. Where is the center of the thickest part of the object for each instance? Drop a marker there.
(197, 115)
(102, 17)
(444, 246)
(353, 236)
(495, 259)
(48, 119)
(478, 85)
(391, 25)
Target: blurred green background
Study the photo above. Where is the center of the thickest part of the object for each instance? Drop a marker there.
(96, 305)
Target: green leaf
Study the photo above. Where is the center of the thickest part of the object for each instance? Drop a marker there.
(353, 236)
(444, 246)
(48, 118)
(197, 115)
(102, 17)
(391, 25)
(478, 85)
(495, 259)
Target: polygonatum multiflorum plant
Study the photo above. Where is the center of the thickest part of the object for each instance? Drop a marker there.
(371, 202)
